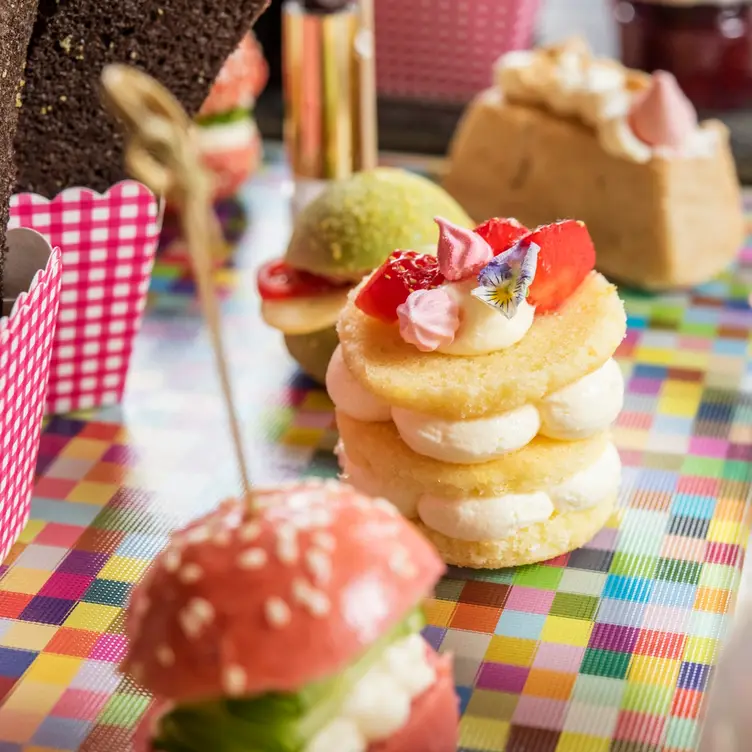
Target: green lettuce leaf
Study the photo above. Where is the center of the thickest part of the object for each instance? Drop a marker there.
(274, 722)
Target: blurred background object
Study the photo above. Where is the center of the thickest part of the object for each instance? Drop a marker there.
(433, 55)
(706, 45)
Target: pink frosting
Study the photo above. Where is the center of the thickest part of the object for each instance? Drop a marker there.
(663, 116)
(428, 319)
(461, 253)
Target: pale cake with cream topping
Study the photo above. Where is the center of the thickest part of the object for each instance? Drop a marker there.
(564, 134)
(475, 390)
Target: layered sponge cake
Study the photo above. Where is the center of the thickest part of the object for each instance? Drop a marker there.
(475, 390)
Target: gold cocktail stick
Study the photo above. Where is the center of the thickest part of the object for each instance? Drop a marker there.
(162, 153)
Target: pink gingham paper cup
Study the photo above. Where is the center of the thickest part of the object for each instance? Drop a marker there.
(108, 244)
(26, 343)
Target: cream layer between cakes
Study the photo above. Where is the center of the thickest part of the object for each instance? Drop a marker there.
(584, 408)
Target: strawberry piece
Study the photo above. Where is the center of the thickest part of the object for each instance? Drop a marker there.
(566, 257)
(501, 234)
(402, 273)
(277, 280)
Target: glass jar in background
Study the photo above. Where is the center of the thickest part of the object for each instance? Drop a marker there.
(707, 45)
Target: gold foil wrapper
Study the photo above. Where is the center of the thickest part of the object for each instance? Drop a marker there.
(321, 91)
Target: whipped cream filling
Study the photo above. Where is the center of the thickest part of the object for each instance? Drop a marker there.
(586, 407)
(482, 329)
(379, 704)
(222, 137)
(582, 409)
(467, 442)
(349, 396)
(498, 517)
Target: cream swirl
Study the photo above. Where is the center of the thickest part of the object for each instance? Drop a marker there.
(428, 319)
(461, 253)
(349, 396)
(467, 442)
(482, 329)
(585, 407)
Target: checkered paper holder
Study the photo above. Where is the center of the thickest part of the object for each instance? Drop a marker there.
(32, 281)
(108, 243)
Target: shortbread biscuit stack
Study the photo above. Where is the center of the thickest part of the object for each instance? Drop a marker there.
(475, 390)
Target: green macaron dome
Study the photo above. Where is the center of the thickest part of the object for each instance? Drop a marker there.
(350, 228)
(313, 351)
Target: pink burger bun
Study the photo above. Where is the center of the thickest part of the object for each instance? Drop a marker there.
(432, 726)
(244, 602)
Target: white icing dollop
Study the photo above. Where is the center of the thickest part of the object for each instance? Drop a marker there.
(585, 407)
(349, 396)
(467, 442)
(483, 329)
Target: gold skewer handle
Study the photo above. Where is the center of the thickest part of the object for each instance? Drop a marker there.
(162, 153)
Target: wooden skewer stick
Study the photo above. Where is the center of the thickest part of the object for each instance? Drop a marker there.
(366, 52)
(163, 154)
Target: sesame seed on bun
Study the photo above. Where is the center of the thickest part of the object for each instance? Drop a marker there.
(246, 601)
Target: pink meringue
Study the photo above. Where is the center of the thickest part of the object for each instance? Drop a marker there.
(461, 253)
(428, 319)
(663, 116)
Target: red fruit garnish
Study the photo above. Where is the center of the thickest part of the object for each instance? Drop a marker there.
(566, 257)
(501, 234)
(279, 281)
(402, 273)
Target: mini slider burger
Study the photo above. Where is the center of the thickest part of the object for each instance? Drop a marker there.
(342, 235)
(292, 624)
(228, 138)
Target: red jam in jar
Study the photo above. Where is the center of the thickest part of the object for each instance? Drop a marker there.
(706, 46)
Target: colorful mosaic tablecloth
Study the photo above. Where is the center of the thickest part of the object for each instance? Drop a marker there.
(609, 648)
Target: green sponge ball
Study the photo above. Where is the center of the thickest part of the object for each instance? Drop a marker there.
(350, 228)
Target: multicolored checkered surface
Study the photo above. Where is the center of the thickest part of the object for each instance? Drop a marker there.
(608, 648)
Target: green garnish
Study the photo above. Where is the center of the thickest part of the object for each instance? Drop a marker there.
(226, 118)
(275, 722)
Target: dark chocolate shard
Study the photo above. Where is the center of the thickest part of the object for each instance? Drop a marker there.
(16, 21)
(65, 136)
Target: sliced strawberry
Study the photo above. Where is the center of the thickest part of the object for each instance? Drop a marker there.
(501, 234)
(278, 280)
(566, 257)
(402, 273)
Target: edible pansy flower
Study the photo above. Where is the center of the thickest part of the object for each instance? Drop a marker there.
(505, 280)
